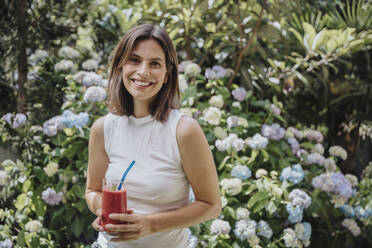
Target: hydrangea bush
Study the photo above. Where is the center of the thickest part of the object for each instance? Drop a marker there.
(280, 184)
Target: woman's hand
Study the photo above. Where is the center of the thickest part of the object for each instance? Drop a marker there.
(96, 224)
(134, 226)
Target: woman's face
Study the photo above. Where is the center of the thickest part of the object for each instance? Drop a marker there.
(145, 72)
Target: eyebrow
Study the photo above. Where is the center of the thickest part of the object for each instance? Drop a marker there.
(154, 59)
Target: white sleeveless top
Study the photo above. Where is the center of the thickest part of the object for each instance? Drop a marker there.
(156, 183)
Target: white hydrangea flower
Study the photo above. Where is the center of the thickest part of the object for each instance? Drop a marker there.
(260, 173)
(182, 83)
(90, 65)
(216, 101)
(290, 238)
(192, 69)
(254, 241)
(330, 165)
(223, 201)
(33, 226)
(352, 226)
(220, 227)
(213, 116)
(232, 121)
(338, 151)
(51, 168)
(237, 105)
(38, 56)
(277, 192)
(186, 111)
(318, 148)
(64, 65)
(220, 133)
(68, 52)
(233, 186)
(3, 177)
(95, 94)
(352, 179)
(242, 213)
(238, 144)
(243, 122)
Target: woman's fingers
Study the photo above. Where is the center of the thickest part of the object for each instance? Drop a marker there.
(127, 218)
(122, 228)
(96, 225)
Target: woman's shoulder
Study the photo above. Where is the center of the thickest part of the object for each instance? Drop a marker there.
(98, 125)
(187, 128)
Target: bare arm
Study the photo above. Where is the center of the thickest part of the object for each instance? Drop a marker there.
(198, 164)
(97, 166)
(200, 170)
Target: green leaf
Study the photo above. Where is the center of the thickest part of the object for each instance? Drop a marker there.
(297, 35)
(81, 205)
(265, 155)
(253, 155)
(259, 196)
(38, 204)
(77, 227)
(21, 239)
(26, 186)
(222, 164)
(78, 190)
(21, 201)
(309, 36)
(271, 207)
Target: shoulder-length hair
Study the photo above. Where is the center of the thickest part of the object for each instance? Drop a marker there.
(120, 102)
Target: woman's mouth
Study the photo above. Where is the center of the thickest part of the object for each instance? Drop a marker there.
(141, 84)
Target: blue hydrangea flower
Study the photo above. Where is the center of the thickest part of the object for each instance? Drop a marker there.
(343, 186)
(192, 241)
(294, 174)
(6, 244)
(239, 94)
(348, 211)
(362, 213)
(245, 228)
(264, 230)
(53, 125)
(307, 231)
(70, 119)
(191, 195)
(51, 197)
(274, 132)
(295, 146)
(316, 158)
(295, 213)
(258, 142)
(241, 172)
(19, 120)
(8, 118)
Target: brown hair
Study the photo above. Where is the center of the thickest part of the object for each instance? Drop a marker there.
(120, 102)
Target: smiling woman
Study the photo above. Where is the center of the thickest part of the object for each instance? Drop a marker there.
(169, 148)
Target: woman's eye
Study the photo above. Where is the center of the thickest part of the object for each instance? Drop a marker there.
(134, 60)
(155, 64)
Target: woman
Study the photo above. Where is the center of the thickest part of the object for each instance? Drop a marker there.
(170, 149)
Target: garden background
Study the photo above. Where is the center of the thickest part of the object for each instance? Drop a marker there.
(282, 90)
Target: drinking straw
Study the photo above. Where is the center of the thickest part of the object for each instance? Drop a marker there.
(125, 174)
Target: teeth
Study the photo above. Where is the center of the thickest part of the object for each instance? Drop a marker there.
(139, 83)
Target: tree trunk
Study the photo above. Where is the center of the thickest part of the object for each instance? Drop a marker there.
(22, 56)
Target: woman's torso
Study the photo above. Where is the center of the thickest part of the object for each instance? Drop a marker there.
(157, 182)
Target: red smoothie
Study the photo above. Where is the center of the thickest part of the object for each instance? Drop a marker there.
(113, 202)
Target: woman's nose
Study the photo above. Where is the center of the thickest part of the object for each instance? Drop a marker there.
(143, 69)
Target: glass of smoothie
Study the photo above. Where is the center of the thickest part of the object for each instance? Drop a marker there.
(113, 200)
